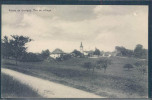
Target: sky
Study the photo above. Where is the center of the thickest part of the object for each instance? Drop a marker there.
(66, 26)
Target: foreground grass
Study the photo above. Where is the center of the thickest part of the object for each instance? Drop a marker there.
(116, 82)
(13, 88)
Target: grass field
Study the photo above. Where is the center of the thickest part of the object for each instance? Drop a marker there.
(116, 82)
(12, 88)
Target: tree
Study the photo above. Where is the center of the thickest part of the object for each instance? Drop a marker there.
(128, 66)
(122, 51)
(77, 53)
(145, 54)
(17, 44)
(119, 50)
(129, 53)
(6, 47)
(87, 65)
(45, 54)
(138, 51)
(103, 63)
(97, 52)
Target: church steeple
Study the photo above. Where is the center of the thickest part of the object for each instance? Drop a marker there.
(81, 45)
(81, 48)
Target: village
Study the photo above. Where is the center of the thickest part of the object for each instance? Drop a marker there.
(91, 53)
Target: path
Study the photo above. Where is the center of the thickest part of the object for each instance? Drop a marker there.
(47, 88)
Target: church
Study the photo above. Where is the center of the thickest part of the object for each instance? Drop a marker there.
(81, 48)
(86, 53)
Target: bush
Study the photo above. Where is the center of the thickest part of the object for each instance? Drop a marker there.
(64, 57)
(128, 66)
(141, 66)
(141, 63)
(78, 54)
(87, 65)
(31, 57)
(103, 63)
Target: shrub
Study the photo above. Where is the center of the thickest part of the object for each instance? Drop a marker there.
(78, 54)
(141, 63)
(128, 66)
(31, 57)
(141, 66)
(66, 57)
(87, 65)
(103, 63)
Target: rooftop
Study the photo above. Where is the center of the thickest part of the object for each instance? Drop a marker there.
(57, 51)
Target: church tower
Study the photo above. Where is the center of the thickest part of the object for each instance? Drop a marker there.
(81, 48)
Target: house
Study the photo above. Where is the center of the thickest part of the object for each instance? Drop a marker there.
(57, 53)
(88, 53)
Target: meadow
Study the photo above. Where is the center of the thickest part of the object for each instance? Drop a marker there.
(116, 82)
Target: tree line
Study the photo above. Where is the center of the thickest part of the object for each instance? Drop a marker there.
(138, 52)
(102, 63)
(15, 48)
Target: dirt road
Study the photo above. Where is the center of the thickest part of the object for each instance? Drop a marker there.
(47, 88)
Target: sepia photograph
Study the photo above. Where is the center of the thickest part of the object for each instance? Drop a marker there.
(74, 51)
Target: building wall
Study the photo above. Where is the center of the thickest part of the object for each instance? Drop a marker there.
(55, 55)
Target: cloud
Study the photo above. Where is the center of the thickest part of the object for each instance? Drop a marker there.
(119, 9)
(101, 26)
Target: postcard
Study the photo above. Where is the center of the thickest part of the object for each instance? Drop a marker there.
(74, 51)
